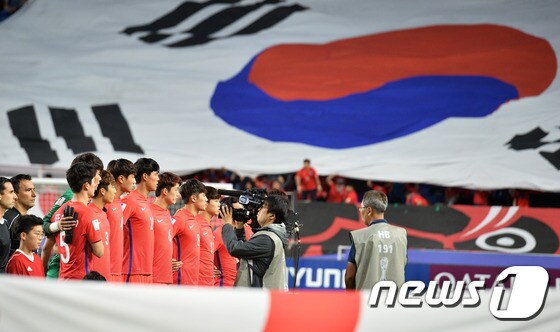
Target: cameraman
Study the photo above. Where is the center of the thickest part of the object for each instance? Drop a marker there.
(262, 260)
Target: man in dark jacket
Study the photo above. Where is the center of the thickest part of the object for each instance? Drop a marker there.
(262, 260)
(26, 195)
(7, 201)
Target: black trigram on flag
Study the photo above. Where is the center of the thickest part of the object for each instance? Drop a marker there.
(67, 125)
(206, 20)
(533, 140)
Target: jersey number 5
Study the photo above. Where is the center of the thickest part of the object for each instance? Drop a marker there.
(64, 254)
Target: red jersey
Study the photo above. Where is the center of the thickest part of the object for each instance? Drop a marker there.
(76, 258)
(163, 245)
(225, 263)
(103, 264)
(351, 197)
(24, 265)
(480, 198)
(379, 188)
(138, 235)
(307, 178)
(335, 196)
(115, 217)
(206, 271)
(416, 200)
(521, 198)
(186, 248)
(248, 231)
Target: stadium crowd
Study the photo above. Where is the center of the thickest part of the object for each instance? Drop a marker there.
(338, 189)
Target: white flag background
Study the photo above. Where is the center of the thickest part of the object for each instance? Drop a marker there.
(143, 78)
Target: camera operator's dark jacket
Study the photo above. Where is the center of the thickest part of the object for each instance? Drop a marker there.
(259, 250)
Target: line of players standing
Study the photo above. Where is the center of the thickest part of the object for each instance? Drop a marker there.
(119, 236)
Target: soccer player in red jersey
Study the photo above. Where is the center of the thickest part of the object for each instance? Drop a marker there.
(124, 172)
(308, 182)
(206, 271)
(29, 230)
(76, 257)
(225, 263)
(104, 194)
(186, 246)
(167, 193)
(138, 257)
(67, 223)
